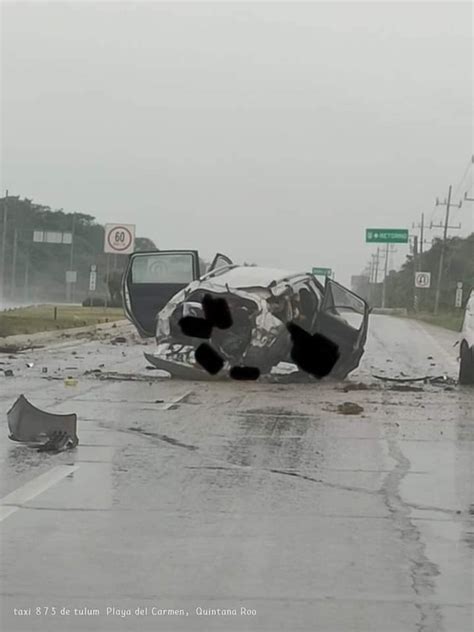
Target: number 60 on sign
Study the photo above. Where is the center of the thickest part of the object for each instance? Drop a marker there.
(119, 238)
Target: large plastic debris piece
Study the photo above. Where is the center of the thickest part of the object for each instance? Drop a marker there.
(31, 425)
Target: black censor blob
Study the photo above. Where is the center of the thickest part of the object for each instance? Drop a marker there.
(244, 373)
(208, 358)
(313, 353)
(217, 312)
(195, 327)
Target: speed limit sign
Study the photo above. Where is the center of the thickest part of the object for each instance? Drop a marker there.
(119, 238)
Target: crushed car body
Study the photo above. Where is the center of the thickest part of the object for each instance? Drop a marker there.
(163, 290)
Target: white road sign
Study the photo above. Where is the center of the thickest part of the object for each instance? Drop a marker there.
(458, 299)
(92, 280)
(423, 279)
(52, 237)
(119, 238)
(71, 276)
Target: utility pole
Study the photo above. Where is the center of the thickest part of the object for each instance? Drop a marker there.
(421, 241)
(371, 274)
(415, 270)
(377, 266)
(4, 242)
(26, 289)
(384, 286)
(70, 286)
(445, 228)
(422, 228)
(13, 275)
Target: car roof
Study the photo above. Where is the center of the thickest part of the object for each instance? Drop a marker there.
(249, 276)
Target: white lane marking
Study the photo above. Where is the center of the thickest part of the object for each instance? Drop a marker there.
(8, 504)
(176, 400)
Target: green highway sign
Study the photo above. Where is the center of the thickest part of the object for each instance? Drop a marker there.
(386, 235)
(322, 272)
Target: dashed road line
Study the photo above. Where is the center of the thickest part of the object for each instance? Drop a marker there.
(12, 501)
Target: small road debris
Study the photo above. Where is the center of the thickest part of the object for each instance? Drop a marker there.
(58, 441)
(357, 386)
(436, 380)
(405, 388)
(349, 408)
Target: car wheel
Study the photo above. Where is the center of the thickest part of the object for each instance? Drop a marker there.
(466, 366)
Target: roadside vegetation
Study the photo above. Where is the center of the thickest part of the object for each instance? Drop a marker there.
(35, 272)
(30, 320)
(458, 268)
(448, 320)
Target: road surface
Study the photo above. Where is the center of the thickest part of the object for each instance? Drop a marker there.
(241, 506)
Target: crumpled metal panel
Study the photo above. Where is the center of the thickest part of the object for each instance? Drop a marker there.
(29, 424)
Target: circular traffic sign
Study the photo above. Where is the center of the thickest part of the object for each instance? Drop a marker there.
(423, 279)
(120, 238)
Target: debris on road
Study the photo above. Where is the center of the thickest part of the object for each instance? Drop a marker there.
(443, 380)
(57, 442)
(357, 386)
(435, 380)
(349, 408)
(118, 340)
(17, 348)
(123, 377)
(8, 372)
(70, 381)
(28, 424)
(405, 388)
(92, 371)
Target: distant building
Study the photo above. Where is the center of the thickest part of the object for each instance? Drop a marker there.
(360, 285)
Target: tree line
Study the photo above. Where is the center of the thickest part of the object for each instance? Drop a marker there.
(35, 271)
(458, 268)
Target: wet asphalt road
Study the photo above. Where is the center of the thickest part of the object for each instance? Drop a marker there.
(242, 495)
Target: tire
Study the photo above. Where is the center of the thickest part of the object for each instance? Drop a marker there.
(466, 366)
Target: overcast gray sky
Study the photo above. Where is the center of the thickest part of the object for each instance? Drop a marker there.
(273, 132)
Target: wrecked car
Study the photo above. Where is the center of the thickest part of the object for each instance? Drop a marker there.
(466, 353)
(164, 289)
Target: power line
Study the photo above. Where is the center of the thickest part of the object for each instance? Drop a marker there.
(448, 204)
(466, 172)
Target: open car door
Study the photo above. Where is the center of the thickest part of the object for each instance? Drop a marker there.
(151, 279)
(343, 318)
(219, 261)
